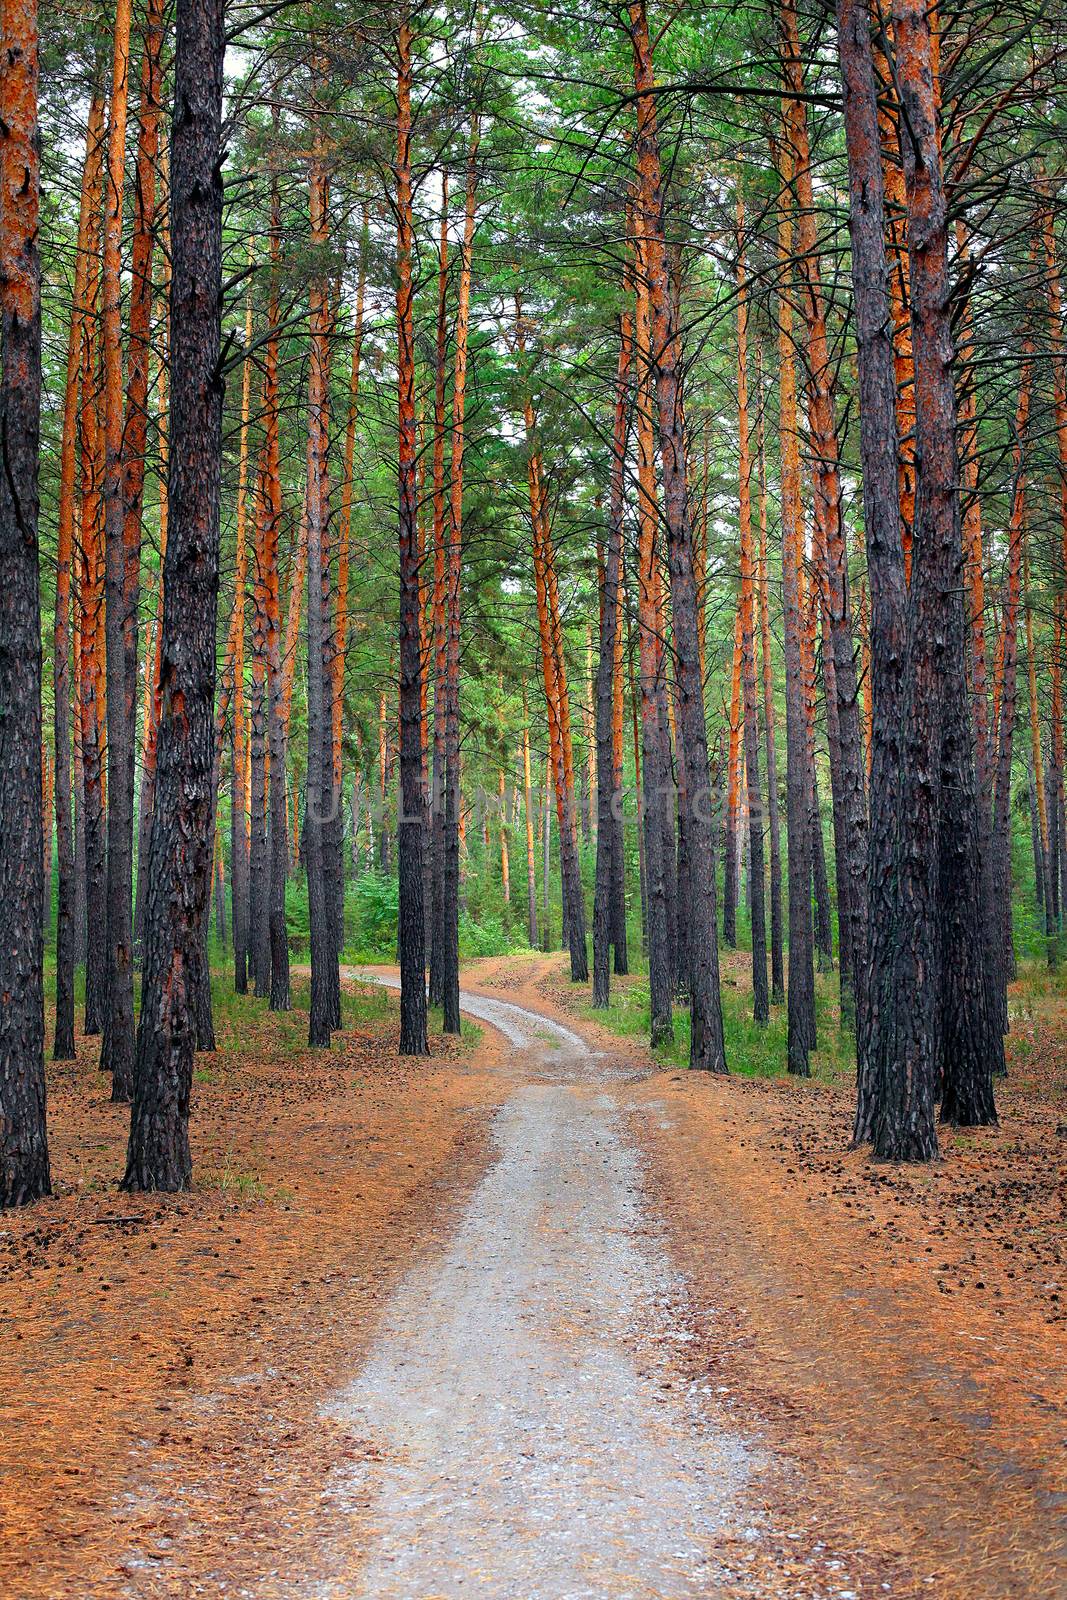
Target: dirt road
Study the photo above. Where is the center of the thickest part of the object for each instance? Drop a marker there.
(520, 1388)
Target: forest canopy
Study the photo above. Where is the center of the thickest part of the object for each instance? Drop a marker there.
(517, 474)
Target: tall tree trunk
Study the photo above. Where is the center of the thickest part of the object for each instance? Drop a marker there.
(322, 954)
(570, 861)
(731, 884)
(618, 848)
(682, 909)
(449, 935)
(79, 774)
(440, 620)
(763, 596)
(941, 1029)
(638, 788)
(116, 1055)
(760, 999)
(330, 799)
(411, 825)
(882, 521)
(278, 832)
(238, 794)
(91, 686)
(651, 657)
(1056, 755)
(66, 931)
(847, 774)
(531, 870)
(258, 858)
(180, 861)
(607, 665)
(707, 1047)
(1059, 389)
(801, 989)
(24, 1172)
(153, 686)
(1005, 720)
(546, 863)
(824, 937)
(344, 558)
(139, 377)
(1045, 898)
(555, 681)
(974, 589)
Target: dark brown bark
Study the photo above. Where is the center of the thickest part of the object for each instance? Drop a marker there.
(757, 900)
(882, 523)
(91, 684)
(449, 926)
(800, 994)
(1005, 728)
(940, 1024)
(322, 949)
(440, 624)
(618, 858)
(411, 820)
(683, 879)
(608, 797)
(763, 597)
(707, 1048)
(180, 853)
(23, 1135)
(653, 776)
(847, 765)
(528, 808)
(731, 872)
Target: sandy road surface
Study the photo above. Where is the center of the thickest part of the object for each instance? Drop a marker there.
(518, 1391)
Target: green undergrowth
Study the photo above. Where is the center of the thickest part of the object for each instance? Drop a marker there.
(238, 1016)
(752, 1050)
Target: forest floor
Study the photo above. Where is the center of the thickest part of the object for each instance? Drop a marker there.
(896, 1336)
(412, 1311)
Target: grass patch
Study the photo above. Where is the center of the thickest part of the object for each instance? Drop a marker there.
(752, 1050)
(234, 1181)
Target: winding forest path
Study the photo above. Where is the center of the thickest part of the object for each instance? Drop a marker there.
(519, 1387)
